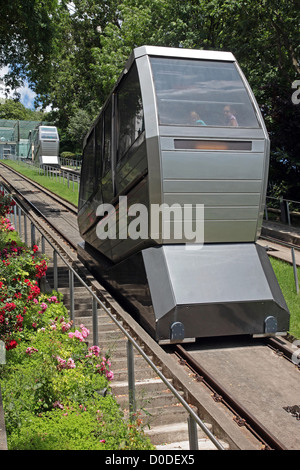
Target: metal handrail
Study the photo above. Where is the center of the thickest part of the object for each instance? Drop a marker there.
(131, 343)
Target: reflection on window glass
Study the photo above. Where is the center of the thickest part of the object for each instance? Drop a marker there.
(130, 112)
(107, 139)
(98, 147)
(201, 93)
(88, 171)
(49, 136)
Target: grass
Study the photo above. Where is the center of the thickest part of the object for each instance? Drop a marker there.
(55, 186)
(285, 276)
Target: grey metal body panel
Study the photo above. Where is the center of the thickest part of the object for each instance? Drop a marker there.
(230, 184)
(214, 290)
(228, 286)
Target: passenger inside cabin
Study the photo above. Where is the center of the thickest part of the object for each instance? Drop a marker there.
(194, 119)
(229, 117)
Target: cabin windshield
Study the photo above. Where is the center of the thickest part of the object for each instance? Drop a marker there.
(48, 133)
(201, 93)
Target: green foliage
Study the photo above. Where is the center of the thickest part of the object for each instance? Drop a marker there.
(55, 186)
(72, 53)
(13, 110)
(27, 30)
(97, 426)
(55, 388)
(285, 276)
(61, 404)
(70, 155)
(78, 127)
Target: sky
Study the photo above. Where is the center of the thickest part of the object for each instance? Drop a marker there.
(27, 95)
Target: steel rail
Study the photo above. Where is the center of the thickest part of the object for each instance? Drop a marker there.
(276, 345)
(279, 242)
(25, 201)
(68, 205)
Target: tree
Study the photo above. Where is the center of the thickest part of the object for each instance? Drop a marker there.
(78, 127)
(13, 109)
(73, 52)
(27, 30)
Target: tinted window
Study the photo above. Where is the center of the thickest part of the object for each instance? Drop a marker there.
(130, 112)
(201, 93)
(98, 148)
(107, 139)
(88, 170)
(49, 136)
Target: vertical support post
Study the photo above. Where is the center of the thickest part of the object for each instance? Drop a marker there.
(20, 221)
(25, 230)
(295, 270)
(55, 280)
(266, 212)
(71, 286)
(193, 433)
(288, 212)
(131, 379)
(95, 322)
(32, 228)
(43, 244)
(15, 217)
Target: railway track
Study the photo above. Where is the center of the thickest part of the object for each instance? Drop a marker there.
(230, 367)
(221, 382)
(59, 214)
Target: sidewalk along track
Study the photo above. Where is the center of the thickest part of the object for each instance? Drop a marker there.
(216, 414)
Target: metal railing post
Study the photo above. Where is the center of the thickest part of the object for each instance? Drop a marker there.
(131, 379)
(25, 229)
(193, 433)
(71, 286)
(20, 220)
(15, 216)
(295, 270)
(266, 212)
(95, 322)
(55, 280)
(43, 244)
(32, 233)
(288, 212)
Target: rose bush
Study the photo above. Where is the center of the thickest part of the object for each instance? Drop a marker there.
(6, 204)
(21, 269)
